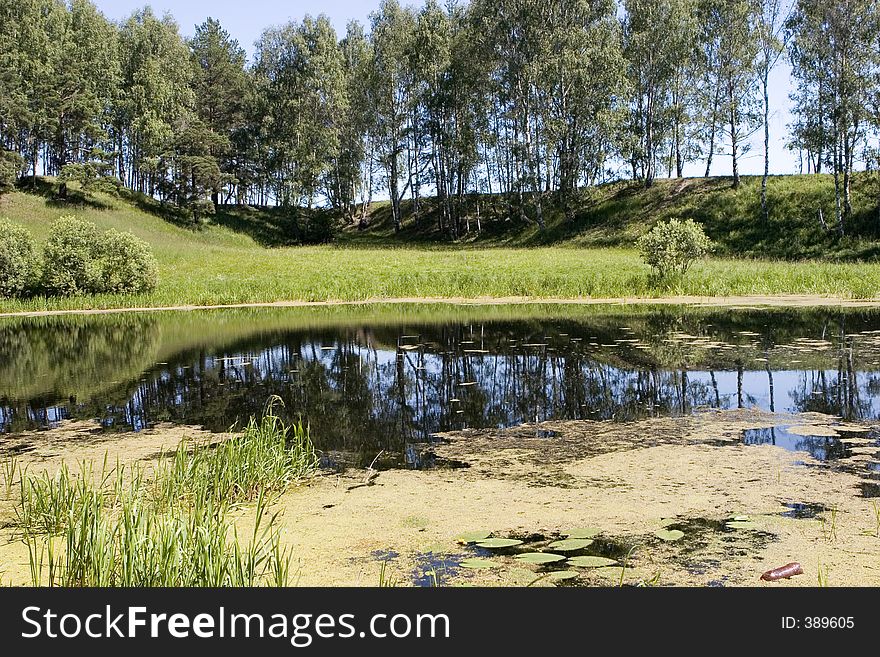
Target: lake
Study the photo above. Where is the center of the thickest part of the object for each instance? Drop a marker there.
(389, 378)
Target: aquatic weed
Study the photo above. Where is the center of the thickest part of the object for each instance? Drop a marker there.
(829, 527)
(385, 581)
(822, 576)
(10, 467)
(124, 529)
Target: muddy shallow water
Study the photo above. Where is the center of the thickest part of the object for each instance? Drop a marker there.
(753, 433)
(694, 474)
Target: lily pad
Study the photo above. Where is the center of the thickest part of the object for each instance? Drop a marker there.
(473, 537)
(539, 558)
(498, 543)
(741, 525)
(665, 522)
(582, 532)
(741, 519)
(562, 575)
(591, 562)
(479, 564)
(571, 544)
(669, 535)
(612, 572)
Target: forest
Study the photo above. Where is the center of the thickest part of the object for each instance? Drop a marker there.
(529, 100)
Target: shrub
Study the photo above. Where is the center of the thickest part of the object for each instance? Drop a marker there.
(71, 258)
(79, 259)
(315, 228)
(127, 264)
(19, 260)
(671, 247)
(10, 168)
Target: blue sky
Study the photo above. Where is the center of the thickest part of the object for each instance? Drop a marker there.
(246, 19)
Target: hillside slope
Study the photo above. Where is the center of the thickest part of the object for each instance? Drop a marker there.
(226, 261)
(618, 214)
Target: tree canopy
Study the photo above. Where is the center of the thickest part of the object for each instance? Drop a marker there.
(529, 99)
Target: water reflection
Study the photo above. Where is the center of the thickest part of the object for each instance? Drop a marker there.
(822, 448)
(366, 387)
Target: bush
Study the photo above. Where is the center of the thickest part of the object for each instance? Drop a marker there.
(127, 264)
(71, 258)
(10, 169)
(671, 247)
(81, 260)
(19, 260)
(315, 228)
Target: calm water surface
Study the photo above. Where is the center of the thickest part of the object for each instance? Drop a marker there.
(388, 379)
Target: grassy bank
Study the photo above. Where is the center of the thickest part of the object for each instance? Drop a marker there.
(219, 265)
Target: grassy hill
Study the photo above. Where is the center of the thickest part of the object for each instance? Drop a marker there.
(616, 215)
(245, 255)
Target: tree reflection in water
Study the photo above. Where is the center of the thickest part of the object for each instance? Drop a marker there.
(366, 388)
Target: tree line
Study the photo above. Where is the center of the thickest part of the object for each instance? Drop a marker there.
(530, 99)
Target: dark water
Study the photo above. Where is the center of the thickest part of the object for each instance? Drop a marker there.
(390, 378)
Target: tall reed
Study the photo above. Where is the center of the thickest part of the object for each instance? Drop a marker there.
(170, 528)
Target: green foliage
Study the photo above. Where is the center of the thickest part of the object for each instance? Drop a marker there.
(315, 228)
(127, 264)
(93, 176)
(19, 260)
(10, 168)
(79, 259)
(671, 247)
(72, 258)
(263, 460)
(669, 535)
(123, 528)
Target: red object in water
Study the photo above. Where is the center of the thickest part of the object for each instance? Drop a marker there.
(789, 570)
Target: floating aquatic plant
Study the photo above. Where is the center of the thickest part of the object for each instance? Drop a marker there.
(591, 562)
(472, 537)
(669, 535)
(562, 575)
(479, 564)
(499, 543)
(813, 430)
(583, 532)
(741, 524)
(571, 544)
(539, 558)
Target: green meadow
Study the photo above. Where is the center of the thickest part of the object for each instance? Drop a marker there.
(227, 261)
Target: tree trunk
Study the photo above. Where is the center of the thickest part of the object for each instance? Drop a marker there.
(836, 155)
(395, 194)
(649, 142)
(765, 210)
(734, 145)
(712, 128)
(847, 177)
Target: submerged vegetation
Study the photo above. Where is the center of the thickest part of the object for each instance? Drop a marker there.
(173, 525)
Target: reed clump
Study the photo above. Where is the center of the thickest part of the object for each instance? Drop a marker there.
(170, 526)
